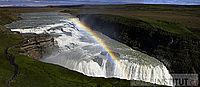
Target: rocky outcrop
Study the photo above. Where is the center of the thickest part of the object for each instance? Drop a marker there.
(36, 45)
(33, 45)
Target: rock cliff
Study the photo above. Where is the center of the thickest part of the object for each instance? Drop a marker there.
(36, 45)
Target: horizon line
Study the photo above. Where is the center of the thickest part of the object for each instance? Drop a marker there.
(101, 4)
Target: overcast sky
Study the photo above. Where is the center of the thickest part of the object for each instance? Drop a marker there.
(72, 2)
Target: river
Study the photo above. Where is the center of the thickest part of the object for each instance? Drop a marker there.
(77, 50)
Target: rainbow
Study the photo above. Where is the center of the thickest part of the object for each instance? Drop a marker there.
(103, 45)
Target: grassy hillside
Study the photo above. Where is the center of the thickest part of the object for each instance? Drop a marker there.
(37, 74)
(6, 70)
(150, 24)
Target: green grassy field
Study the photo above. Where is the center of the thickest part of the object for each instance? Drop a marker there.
(147, 23)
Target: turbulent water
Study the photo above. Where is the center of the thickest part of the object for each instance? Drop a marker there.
(77, 50)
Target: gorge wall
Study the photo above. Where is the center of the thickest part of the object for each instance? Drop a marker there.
(180, 53)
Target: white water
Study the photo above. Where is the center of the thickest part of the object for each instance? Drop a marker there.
(78, 51)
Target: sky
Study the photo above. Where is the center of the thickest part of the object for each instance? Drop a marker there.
(75, 2)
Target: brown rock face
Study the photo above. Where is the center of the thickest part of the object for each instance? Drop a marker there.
(36, 45)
